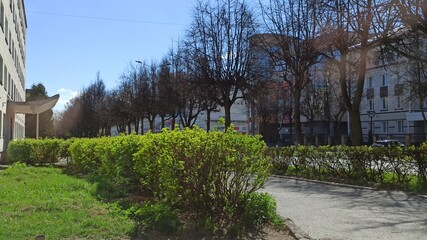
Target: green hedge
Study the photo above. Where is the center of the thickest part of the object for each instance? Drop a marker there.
(36, 152)
(394, 167)
(110, 157)
(213, 172)
(208, 173)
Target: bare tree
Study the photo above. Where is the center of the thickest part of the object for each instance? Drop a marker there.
(313, 105)
(351, 24)
(291, 44)
(91, 100)
(220, 34)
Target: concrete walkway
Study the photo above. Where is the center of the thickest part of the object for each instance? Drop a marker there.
(326, 211)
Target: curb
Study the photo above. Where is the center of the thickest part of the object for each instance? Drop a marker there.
(295, 231)
(346, 185)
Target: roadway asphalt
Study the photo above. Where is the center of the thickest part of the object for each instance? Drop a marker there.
(325, 211)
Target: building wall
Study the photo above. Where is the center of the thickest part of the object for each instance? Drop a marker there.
(387, 94)
(13, 27)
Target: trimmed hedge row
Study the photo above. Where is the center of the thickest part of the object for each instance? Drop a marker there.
(211, 174)
(37, 152)
(400, 167)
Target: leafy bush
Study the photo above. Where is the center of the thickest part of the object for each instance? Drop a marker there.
(34, 152)
(209, 174)
(110, 157)
(391, 167)
(122, 150)
(212, 173)
(155, 215)
(260, 210)
(20, 151)
(84, 155)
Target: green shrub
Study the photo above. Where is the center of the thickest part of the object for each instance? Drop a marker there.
(260, 210)
(84, 157)
(34, 152)
(155, 215)
(20, 151)
(396, 167)
(212, 173)
(47, 151)
(122, 149)
(209, 174)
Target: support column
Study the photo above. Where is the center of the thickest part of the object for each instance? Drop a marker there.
(37, 127)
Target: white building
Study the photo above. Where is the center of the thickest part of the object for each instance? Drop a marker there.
(13, 26)
(394, 113)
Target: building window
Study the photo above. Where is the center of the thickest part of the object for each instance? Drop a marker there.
(5, 77)
(385, 103)
(10, 39)
(384, 80)
(1, 70)
(1, 124)
(8, 84)
(399, 101)
(371, 105)
(2, 16)
(400, 126)
(370, 82)
(6, 31)
(385, 127)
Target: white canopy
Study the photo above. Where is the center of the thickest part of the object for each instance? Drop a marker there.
(34, 107)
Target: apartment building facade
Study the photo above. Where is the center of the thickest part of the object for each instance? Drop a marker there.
(13, 26)
(390, 109)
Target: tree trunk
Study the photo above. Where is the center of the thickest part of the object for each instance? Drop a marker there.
(356, 128)
(297, 117)
(129, 124)
(208, 120)
(227, 110)
(151, 121)
(136, 125)
(173, 122)
(142, 125)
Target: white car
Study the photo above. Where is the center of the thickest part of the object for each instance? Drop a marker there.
(388, 143)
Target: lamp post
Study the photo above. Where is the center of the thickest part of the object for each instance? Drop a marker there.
(371, 115)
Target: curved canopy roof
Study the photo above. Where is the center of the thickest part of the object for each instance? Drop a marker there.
(34, 107)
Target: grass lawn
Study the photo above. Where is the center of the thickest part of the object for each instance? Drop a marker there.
(43, 201)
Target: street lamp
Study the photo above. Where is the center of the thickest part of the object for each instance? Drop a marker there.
(371, 115)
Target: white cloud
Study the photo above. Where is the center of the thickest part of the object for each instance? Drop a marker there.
(65, 95)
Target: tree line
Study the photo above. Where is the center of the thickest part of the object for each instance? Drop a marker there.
(232, 50)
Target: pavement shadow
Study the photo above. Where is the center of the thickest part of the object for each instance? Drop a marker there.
(387, 210)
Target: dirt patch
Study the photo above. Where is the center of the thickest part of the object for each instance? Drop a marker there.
(267, 233)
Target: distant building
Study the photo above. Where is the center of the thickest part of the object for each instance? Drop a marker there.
(389, 88)
(388, 103)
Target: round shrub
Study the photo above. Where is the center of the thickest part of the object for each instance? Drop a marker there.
(212, 173)
(33, 152)
(260, 210)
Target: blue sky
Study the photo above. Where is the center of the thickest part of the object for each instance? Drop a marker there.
(69, 41)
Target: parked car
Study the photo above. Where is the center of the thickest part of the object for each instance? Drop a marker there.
(388, 143)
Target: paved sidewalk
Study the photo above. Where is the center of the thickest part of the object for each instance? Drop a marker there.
(326, 211)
